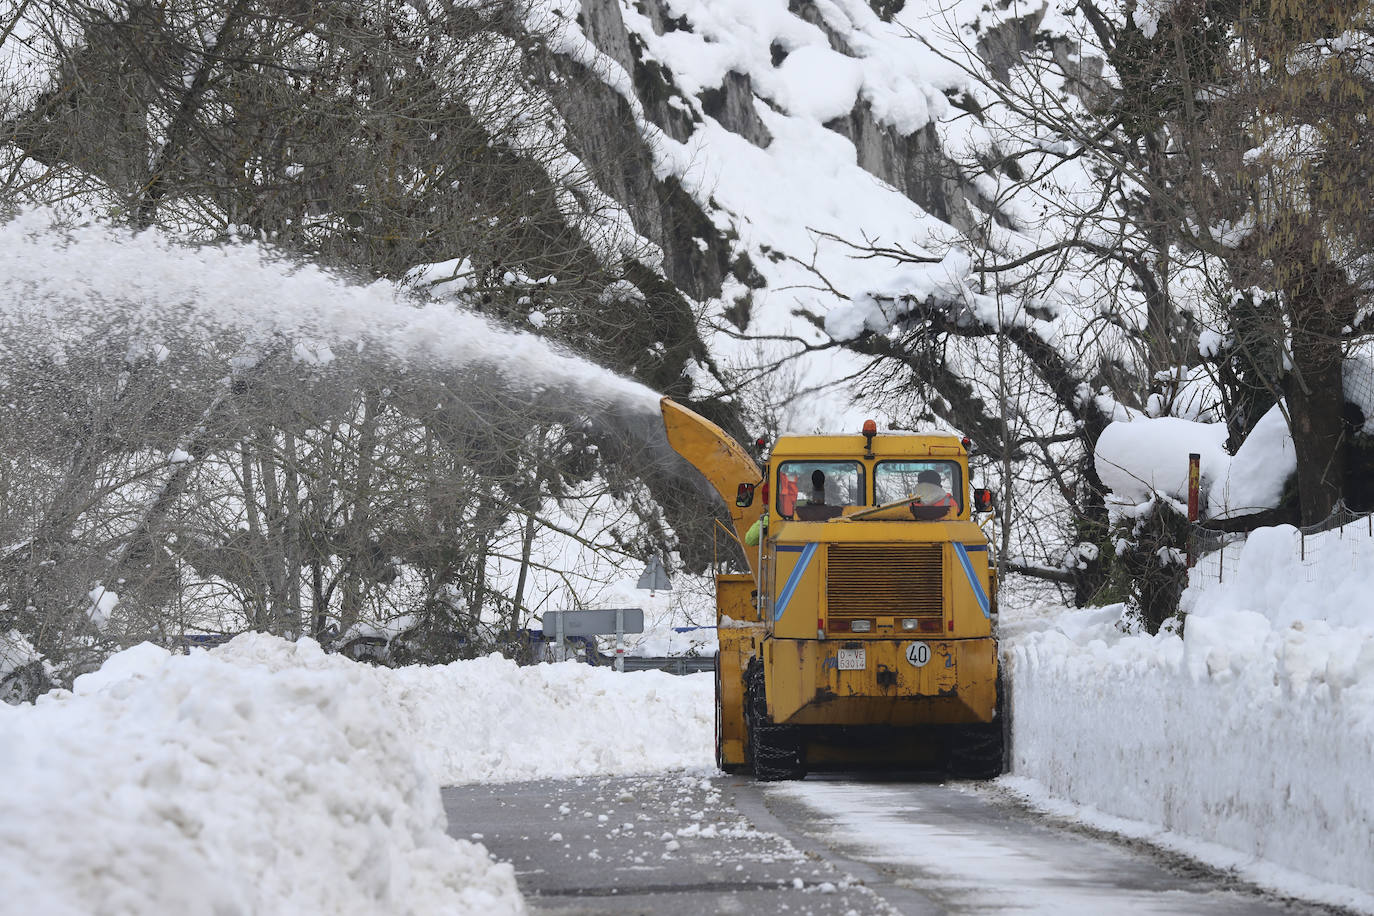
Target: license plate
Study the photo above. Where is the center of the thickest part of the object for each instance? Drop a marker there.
(853, 659)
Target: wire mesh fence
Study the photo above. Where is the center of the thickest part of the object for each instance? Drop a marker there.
(1344, 537)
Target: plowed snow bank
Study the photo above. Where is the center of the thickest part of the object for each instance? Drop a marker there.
(266, 777)
(269, 777)
(1252, 732)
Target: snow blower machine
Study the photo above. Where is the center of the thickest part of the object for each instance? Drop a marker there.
(863, 634)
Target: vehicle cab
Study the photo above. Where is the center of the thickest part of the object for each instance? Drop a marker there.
(872, 536)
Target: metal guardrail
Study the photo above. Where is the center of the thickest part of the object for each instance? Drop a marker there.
(674, 664)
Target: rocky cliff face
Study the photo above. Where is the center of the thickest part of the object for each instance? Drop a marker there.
(686, 103)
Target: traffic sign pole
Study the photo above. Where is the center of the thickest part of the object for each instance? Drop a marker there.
(620, 639)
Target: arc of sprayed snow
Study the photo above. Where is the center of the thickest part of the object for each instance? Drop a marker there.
(64, 282)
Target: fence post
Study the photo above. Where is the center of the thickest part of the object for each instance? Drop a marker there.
(1194, 478)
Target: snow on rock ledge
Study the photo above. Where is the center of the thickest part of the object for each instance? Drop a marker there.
(266, 777)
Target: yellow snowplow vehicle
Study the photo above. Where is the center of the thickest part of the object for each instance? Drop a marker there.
(863, 634)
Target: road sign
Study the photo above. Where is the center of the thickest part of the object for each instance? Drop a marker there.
(655, 577)
(595, 622)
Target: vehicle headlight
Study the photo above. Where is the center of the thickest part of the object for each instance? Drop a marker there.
(860, 626)
(910, 623)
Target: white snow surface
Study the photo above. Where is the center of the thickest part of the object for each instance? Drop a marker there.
(1245, 742)
(267, 776)
(1328, 579)
(1254, 478)
(488, 720)
(1148, 14)
(16, 651)
(1141, 456)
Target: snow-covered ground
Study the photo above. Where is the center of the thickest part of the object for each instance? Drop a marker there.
(267, 776)
(1245, 742)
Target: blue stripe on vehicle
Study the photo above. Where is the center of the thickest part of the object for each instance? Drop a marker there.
(975, 548)
(790, 548)
(794, 580)
(978, 592)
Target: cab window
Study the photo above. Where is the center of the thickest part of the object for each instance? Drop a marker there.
(929, 482)
(817, 490)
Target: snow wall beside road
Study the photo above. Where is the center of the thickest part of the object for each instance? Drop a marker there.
(266, 776)
(263, 777)
(1246, 742)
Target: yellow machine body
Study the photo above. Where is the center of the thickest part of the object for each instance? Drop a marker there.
(864, 632)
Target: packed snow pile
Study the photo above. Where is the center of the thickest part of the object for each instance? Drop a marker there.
(1245, 741)
(489, 720)
(265, 777)
(1290, 579)
(1139, 457)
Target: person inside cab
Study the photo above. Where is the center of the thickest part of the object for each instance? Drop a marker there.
(815, 490)
(930, 500)
(818, 487)
(817, 508)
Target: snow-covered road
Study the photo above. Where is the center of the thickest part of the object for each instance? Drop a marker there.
(694, 843)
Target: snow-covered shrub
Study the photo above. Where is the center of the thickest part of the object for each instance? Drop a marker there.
(1150, 564)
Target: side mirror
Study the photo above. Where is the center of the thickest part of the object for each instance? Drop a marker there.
(982, 500)
(744, 496)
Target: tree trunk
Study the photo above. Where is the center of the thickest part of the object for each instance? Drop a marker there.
(1321, 305)
(289, 617)
(1315, 402)
(526, 545)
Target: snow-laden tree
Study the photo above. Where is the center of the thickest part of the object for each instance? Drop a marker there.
(424, 142)
(1170, 228)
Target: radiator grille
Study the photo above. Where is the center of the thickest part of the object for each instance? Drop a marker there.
(864, 581)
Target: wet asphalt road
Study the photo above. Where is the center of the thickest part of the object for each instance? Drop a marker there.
(699, 844)
(666, 845)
